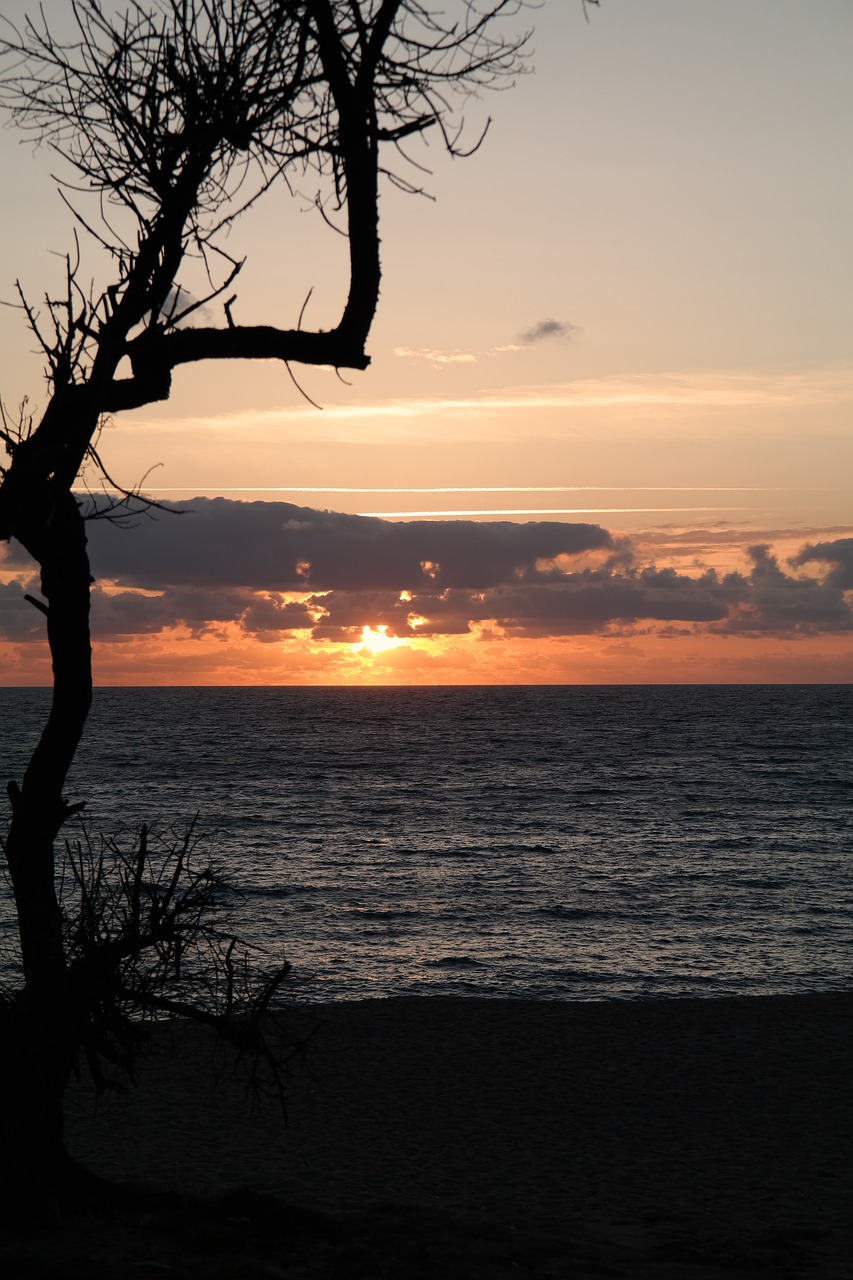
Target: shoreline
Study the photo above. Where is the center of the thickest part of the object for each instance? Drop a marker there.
(695, 1139)
(726, 1123)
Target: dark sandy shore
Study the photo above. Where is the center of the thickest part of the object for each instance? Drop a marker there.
(467, 1138)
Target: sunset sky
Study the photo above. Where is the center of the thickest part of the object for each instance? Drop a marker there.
(607, 432)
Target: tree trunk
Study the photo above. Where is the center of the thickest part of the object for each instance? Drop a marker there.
(38, 1032)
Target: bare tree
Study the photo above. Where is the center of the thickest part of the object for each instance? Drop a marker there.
(174, 119)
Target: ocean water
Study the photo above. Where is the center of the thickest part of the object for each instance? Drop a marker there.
(565, 842)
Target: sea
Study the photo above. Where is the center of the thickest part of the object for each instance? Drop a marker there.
(548, 842)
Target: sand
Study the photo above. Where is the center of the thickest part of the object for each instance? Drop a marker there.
(465, 1137)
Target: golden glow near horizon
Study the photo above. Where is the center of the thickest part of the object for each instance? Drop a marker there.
(638, 320)
(377, 640)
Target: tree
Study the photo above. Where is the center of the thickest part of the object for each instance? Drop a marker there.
(176, 119)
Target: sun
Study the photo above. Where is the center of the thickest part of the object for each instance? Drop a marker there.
(376, 640)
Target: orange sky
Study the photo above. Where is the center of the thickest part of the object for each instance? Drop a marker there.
(225, 657)
(630, 309)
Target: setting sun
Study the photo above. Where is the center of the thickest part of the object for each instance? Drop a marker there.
(376, 640)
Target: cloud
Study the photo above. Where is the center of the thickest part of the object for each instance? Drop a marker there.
(839, 554)
(769, 600)
(493, 414)
(276, 546)
(184, 309)
(581, 603)
(610, 598)
(117, 614)
(19, 620)
(545, 329)
(270, 570)
(433, 356)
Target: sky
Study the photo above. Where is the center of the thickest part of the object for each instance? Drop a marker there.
(607, 431)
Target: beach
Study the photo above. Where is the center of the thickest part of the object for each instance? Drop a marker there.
(455, 1137)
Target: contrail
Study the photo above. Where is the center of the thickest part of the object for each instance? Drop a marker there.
(517, 488)
(554, 511)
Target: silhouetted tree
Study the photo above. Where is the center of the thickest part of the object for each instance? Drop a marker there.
(176, 118)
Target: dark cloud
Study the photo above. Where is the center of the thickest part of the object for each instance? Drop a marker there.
(200, 610)
(549, 329)
(119, 614)
(123, 613)
(577, 603)
(839, 554)
(773, 600)
(19, 620)
(606, 600)
(275, 546)
(273, 569)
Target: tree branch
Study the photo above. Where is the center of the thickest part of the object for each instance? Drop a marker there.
(154, 358)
